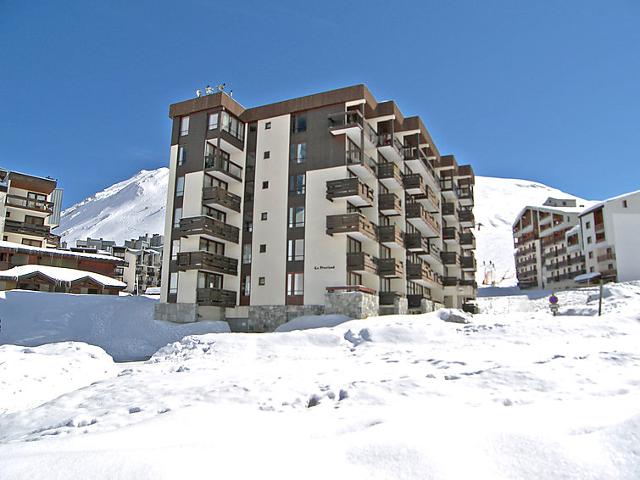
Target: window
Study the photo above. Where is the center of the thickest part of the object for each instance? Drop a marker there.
(245, 286)
(176, 217)
(625, 204)
(263, 216)
(267, 126)
(210, 181)
(588, 225)
(298, 123)
(213, 121)
(175, 249)
(31, 243)
(295, 250)
(263, 248)
(173, 283)
(298, 152)
(182, 154)
(180, 187)
(295, 284)
(589, 240)
(296, 217)
(297, 184)
(591, 269)
(590, 255)
(213, 213)
(265, 185)
(267, 154)
(262, 281)
(184, 125)
(31, 220)
(246, 253)
(210, 280)
(232, 125)
(354, 279)
(211, 246)
(35, 199)
(353, 245)
(248, 226)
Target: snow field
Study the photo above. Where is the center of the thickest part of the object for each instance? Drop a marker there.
(517, 395)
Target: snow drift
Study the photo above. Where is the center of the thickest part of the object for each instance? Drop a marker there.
(123, 326)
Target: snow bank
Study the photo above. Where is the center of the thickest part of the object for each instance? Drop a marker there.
(306, 322)
(30, 376)
(122, 325)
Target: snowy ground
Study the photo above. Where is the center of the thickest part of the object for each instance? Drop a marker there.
(517, 393)
(123, 326)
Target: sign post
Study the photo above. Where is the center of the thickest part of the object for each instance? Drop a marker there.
(553, 304)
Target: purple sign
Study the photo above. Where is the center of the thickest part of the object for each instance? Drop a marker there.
(553, 299)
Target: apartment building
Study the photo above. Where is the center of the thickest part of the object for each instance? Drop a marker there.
(544, 239)
(332, 202)
(29, 209)
(141, 264)
(610, 231)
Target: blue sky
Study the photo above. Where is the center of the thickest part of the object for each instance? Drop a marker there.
(547, 90)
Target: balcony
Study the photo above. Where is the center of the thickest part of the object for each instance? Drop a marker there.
(349, 122)
(450, 235)
(468, 262)
(449, 210)
(352, 190)
(390, 235)
(449, 281)
(466, 218)
(448, 188)
(418, 162)
(216, 297)
(390, 147)
(468, 283)
(222, 198)
(465, 196)
(31, 204)
(606, 257)
(421, 274)
(468, 241)
(389, 204)
(222, 168)
(416, 242)
(390, 268)
(207, 261)
(450, 258)
(422, 220)
(212, 227)
(554, 253)
(361, 165)
(414, 185)
(361, 262)
(389, 175)
(389, 298)
(354, 225)
(23, 228)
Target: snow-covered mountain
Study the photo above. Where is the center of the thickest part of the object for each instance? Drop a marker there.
(497, 202)
(137, 206)
(123, 211)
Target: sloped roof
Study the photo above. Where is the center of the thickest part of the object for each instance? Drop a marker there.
(59, 274)
(54, 251)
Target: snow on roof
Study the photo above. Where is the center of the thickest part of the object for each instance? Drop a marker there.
(60, 274)
(53, 251)
(574, 229)
(585, 277)
(578, 210)
(602, 203)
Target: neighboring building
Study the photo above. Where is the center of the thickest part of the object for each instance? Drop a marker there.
(541, 240)
(29, 209)
(14, 254)
(58, 280)
(143, 269)
(331, 202)
(610, 231)
(95, 244)
(141, 260)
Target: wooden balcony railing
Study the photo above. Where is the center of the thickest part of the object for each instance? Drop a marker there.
(203, 260)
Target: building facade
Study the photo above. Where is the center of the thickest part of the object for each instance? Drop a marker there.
(29, 209)
(610, 231)
(544, 240)
(330, 202)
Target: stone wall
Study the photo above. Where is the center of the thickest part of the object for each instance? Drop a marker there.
(351, 304)
(176, 312)
(266, 318)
